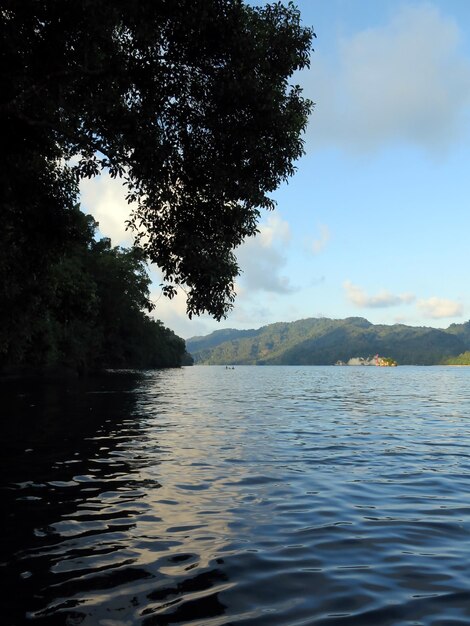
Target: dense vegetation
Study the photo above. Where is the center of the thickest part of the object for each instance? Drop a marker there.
(85, 311)
(461, 359)
(188, 102)
(326, 341)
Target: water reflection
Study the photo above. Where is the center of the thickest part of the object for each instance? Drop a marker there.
(254, 496)
(66, 485)
(84, 540)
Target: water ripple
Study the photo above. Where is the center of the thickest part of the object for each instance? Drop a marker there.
(257, 496)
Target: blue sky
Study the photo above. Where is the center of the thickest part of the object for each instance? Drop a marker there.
(375, 223)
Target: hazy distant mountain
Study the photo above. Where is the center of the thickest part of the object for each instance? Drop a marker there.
(323, 341)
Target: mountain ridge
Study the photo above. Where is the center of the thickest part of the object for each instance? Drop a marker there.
(324, 341)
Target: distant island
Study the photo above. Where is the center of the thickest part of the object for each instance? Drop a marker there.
(324, 341)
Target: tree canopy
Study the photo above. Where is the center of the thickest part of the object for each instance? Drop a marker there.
(188, 101)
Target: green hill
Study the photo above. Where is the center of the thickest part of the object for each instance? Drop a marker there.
(323, 341)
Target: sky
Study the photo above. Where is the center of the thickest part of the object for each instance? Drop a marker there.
(375, 222)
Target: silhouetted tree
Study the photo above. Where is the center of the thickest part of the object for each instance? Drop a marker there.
(187, 100)
(90, 311)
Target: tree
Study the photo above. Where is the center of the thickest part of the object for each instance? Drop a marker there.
(461, 359)
(89, 312)
(187, 100)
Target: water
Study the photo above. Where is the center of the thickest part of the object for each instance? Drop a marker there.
(269, 496)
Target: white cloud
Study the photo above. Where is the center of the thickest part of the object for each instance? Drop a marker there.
(318, 245)
(383, 299)
(172, 313)
(275, 229)
(406, 80)
(262, 262)
(105, 199)
(437, 308)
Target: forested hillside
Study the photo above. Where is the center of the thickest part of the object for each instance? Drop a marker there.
(325, 341)
(83, 309)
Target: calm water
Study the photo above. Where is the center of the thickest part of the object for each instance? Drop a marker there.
(257, 496)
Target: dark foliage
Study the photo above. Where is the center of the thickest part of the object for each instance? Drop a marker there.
(187, 100)
(87, 312)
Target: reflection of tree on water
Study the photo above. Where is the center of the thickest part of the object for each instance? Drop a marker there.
(83, 540)
(60, 459)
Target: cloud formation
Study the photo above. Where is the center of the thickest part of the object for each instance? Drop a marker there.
(318, 245)
(437, 308)
(173, 315)
(383, 299)
(105, 199)
(262, 262)
(406, 80)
